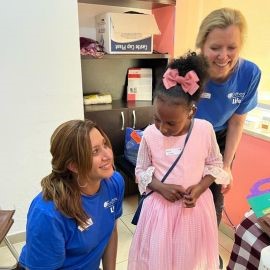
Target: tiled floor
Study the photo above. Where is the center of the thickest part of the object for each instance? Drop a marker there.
(125, 232)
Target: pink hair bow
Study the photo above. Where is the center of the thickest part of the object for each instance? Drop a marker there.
(188, 82)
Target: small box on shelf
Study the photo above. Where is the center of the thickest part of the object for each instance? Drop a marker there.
(139, 84)
(122, 33)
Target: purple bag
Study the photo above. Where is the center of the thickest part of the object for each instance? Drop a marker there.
(91, 47)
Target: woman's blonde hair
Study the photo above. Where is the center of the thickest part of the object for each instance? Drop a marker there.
(221, 18)
(70, 143)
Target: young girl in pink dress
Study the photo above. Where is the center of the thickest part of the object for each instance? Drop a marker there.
(177, 228)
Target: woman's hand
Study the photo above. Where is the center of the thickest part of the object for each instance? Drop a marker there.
(226, 188)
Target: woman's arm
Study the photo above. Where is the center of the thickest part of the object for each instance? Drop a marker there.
(109, 256)
(234, 134)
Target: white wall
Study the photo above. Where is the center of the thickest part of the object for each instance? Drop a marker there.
(40, 82)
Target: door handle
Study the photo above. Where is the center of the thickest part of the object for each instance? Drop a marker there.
(123, 121)
(134, 118)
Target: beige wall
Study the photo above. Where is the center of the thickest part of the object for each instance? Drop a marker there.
(189, 14)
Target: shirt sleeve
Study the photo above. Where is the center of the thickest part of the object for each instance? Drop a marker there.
(120, 194)
(214, 163)
(45, 244)
(250, 100)
(144, 169)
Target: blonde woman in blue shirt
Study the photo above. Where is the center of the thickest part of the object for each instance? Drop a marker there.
(231, 91)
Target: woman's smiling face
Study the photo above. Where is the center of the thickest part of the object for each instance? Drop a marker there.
(222, 48)
(102, 164)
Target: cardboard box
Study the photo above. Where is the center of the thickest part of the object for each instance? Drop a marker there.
(139, 84)
(122, 33)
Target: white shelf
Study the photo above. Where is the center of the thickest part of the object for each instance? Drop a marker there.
(129, 56)
(144, 4)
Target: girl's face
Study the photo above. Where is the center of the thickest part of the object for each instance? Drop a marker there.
(102, 164)
(171, 119)
(222, 48)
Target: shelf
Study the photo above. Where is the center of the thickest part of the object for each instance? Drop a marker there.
(129, 56)
(117, 104)
(143, 4)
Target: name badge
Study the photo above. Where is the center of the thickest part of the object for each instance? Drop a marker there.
(173, 151)
(206, 95)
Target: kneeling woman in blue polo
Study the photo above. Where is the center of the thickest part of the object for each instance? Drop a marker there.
(71, 224)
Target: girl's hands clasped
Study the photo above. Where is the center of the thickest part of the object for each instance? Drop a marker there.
(192, 194)
(172, 192)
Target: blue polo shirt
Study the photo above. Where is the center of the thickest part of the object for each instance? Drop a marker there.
(54, 241)
(236, 95)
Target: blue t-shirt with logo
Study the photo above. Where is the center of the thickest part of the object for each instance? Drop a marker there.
(236, 95)
(54, 241)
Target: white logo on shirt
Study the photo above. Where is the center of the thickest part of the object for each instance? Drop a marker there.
(236, 97)
(89, 223)
(110, 204)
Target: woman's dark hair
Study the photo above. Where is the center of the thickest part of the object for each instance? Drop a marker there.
(188, 62)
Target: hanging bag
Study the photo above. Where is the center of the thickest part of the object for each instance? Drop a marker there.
(145, 195)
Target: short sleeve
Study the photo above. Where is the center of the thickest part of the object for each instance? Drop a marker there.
(120, 189)
(45, 242)
(250, 100)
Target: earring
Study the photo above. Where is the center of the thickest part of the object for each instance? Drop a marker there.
(81, 186)
(192, 110)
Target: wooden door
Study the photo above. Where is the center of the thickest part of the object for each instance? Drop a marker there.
(140, 117)
(113, 122)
